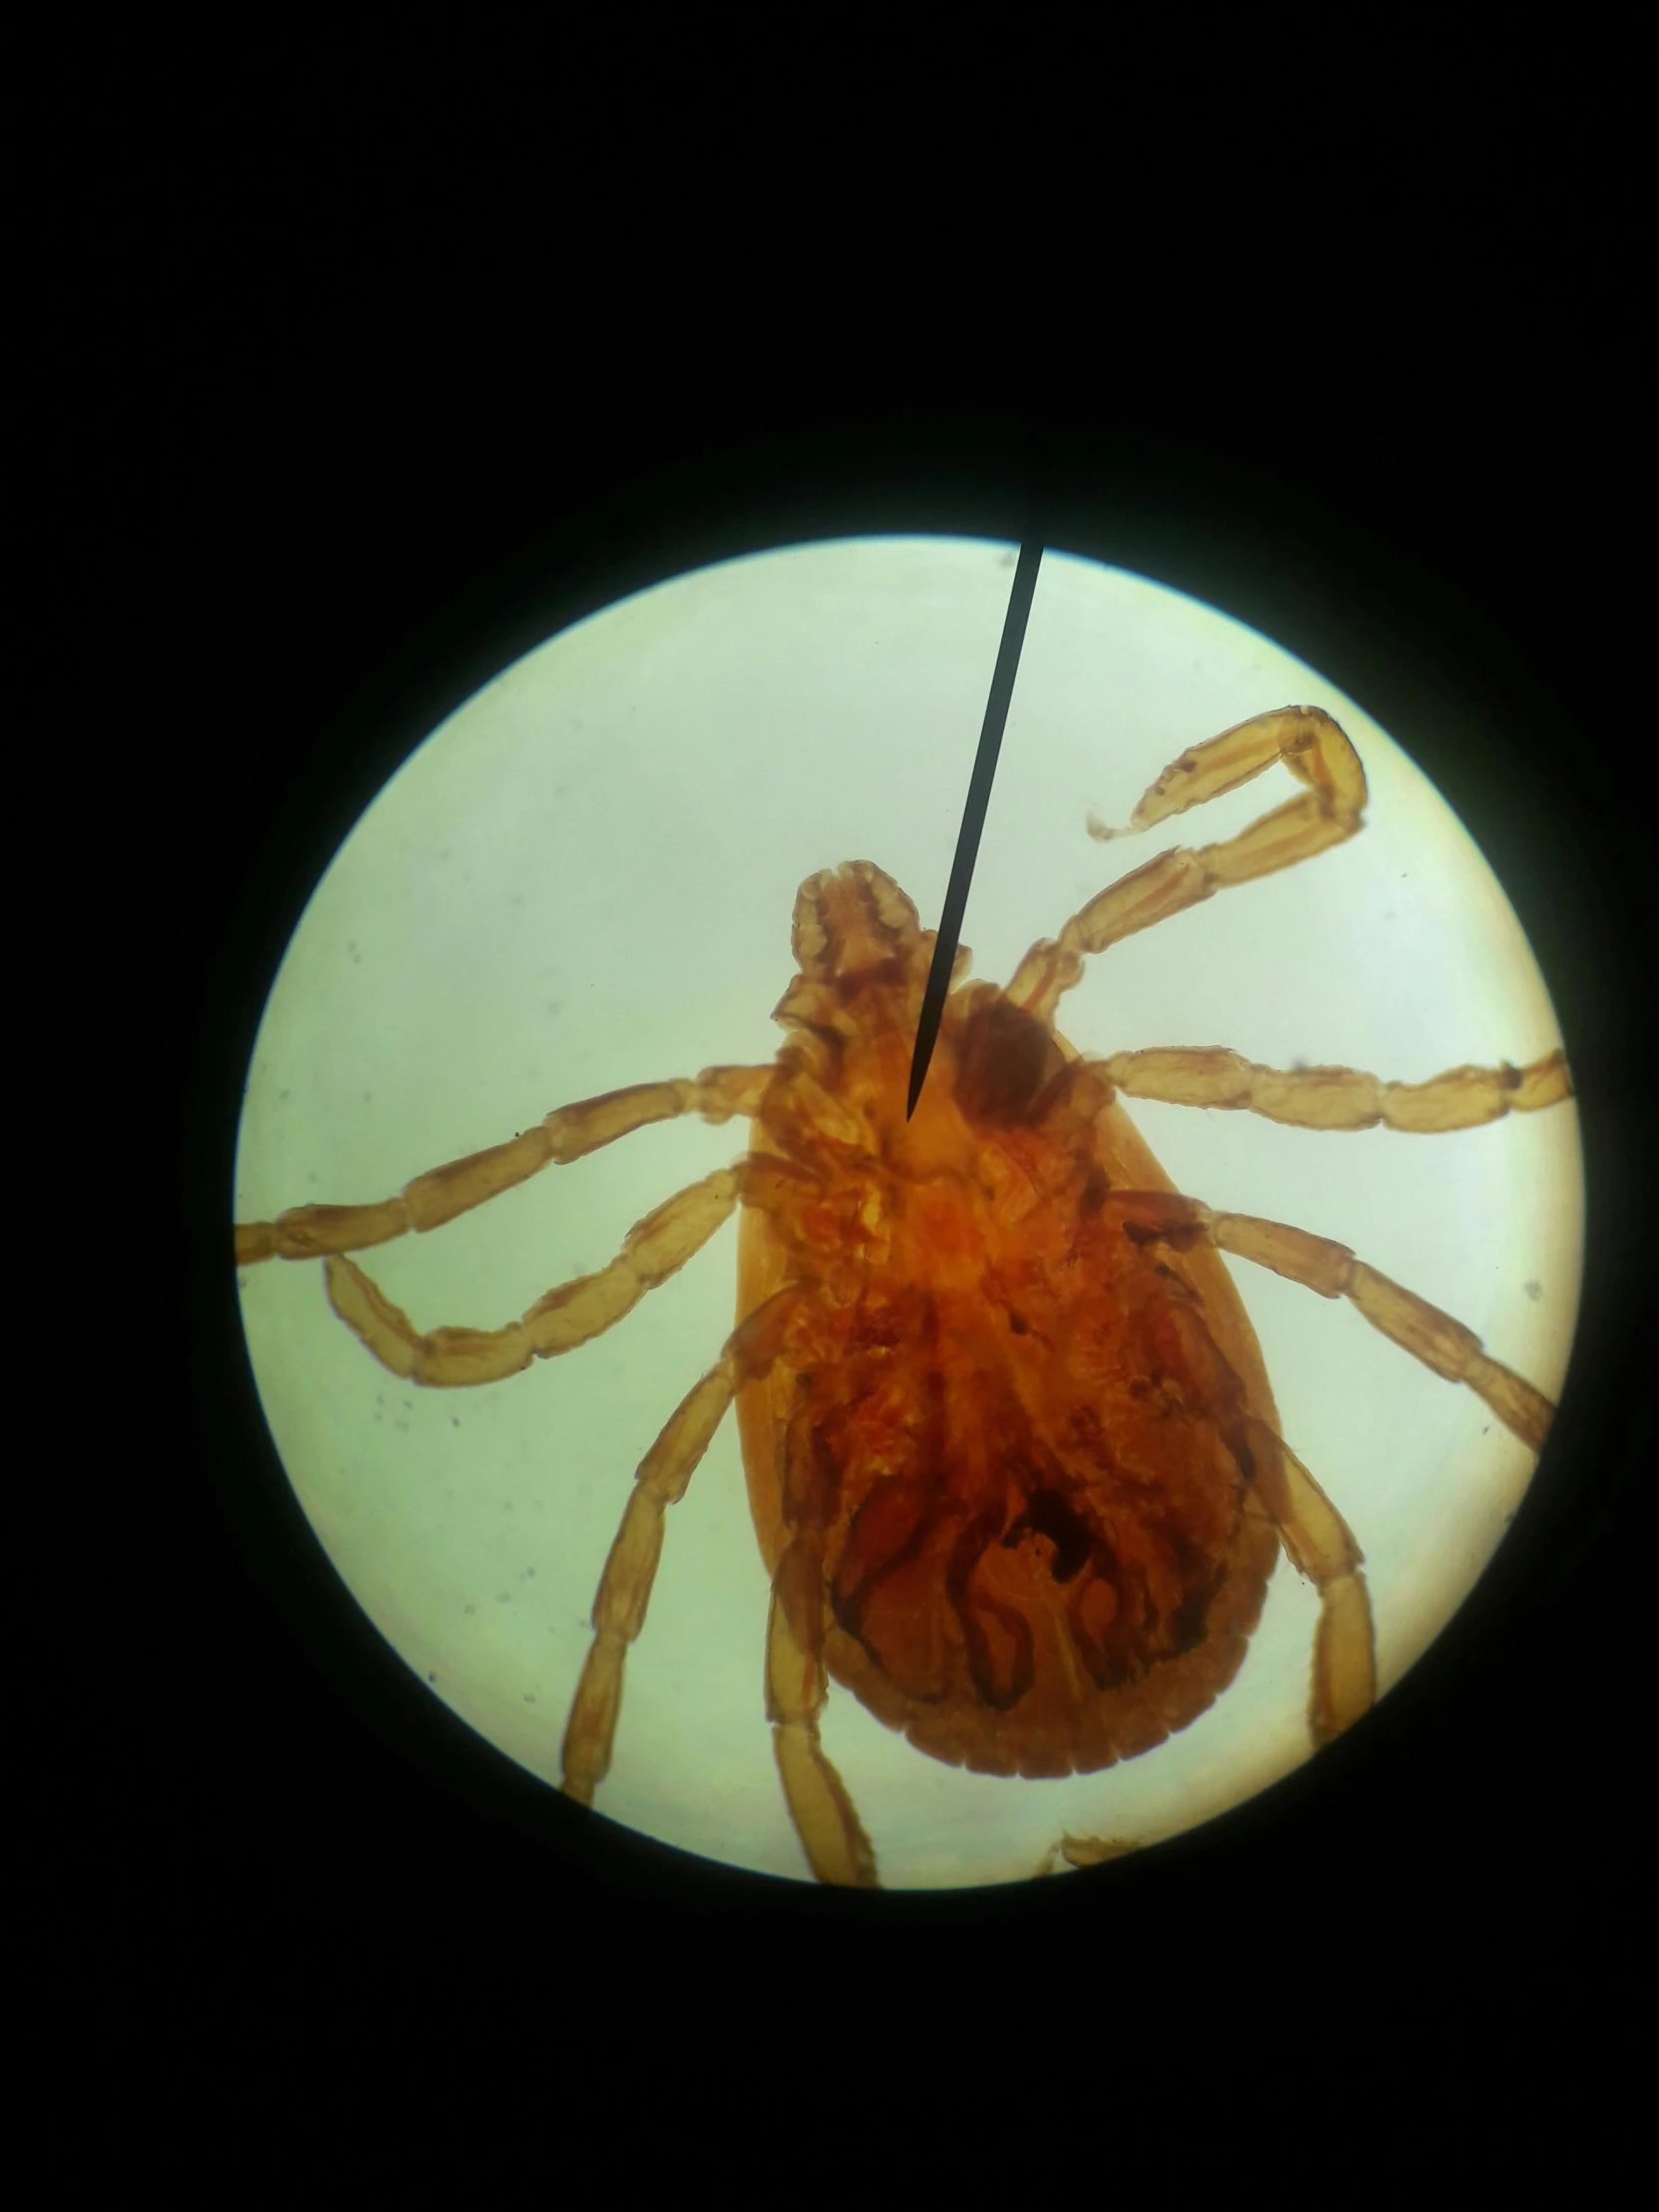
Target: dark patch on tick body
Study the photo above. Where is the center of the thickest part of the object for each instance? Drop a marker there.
(1006, 1065)
(1048, 1515)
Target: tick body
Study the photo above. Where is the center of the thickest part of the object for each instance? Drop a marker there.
(1012, 1456)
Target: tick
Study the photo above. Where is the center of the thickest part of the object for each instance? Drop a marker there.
(1011, 1452)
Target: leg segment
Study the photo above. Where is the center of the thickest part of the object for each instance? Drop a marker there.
(1083, 1851)
(1337, 1098)
(625, 1586)
(313, 1232)
(831, 1836)
(1411, 1321)
(1316, 751)
(653, 1250)
(1321, 1545)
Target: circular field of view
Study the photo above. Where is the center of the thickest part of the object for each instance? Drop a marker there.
(584, 879)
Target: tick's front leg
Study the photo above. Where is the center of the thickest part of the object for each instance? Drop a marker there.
(1317, 751)
(569, 1132)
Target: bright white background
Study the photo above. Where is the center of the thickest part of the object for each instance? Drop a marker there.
(585, 879)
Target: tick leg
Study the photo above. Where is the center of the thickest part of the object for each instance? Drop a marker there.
(1337, 1098)
(1411, 1321)
(446, 1359)
(661, 1481)
(584, 1308)
(313, 1232)
(1083, 1851)
(1321, 1545)
(831, 1836)
(625, 1586)
(1312, 747)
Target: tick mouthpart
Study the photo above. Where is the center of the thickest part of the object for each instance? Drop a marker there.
(852, 918)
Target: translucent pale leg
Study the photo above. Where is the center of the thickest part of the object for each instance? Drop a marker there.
(1316, 752)
(1321, 1545)
(1315, 1535)
(630, 1570)
(832, 1835)
(1440, 1342)
(571, 1315)
(1337, 1098)
(625, 1586)
(449, 1359)
(313, 1232)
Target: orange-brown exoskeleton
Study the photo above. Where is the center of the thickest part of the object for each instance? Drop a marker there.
(1012, 1455)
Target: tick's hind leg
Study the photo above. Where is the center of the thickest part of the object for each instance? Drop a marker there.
(825, 1820)
(630, 1570)
(660, 1480)
(837, 1848)
(1319, 1544)
(570, 1132)
(1312, 747)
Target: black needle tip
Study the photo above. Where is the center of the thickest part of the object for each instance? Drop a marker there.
(973, 816)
